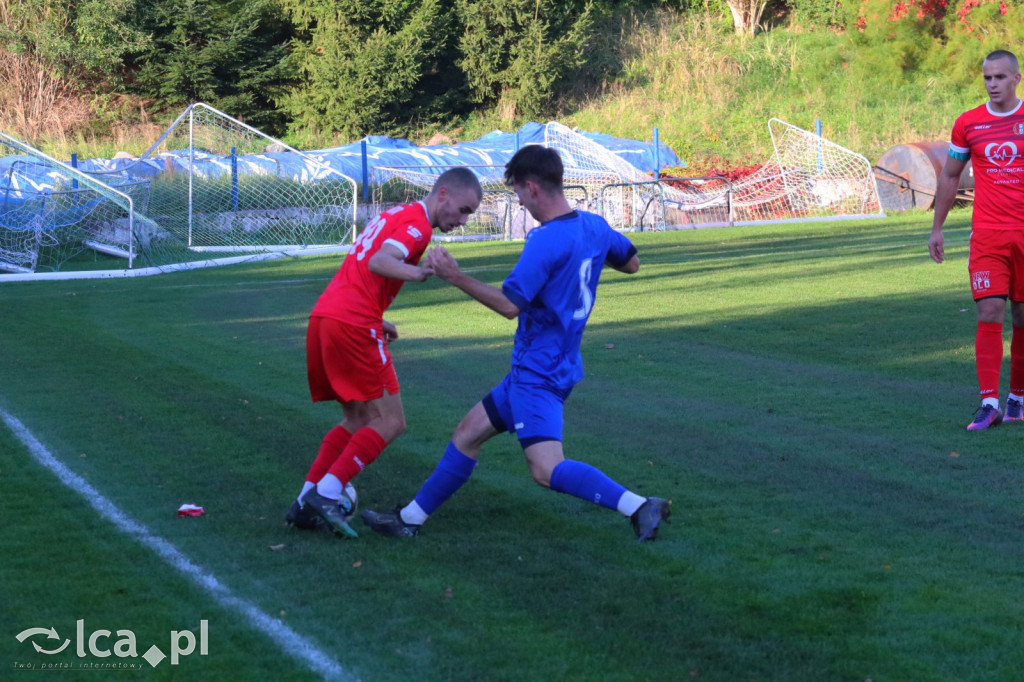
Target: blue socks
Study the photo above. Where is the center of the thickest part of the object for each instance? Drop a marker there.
(571, 477)
(587, 483)
(451, 472)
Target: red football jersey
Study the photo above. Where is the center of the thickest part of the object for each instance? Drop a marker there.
(357, 296)
(995, 145)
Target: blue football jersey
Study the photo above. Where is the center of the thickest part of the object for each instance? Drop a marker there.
(554, 284)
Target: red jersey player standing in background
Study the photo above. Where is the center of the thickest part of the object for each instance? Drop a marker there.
(992, 137)
(347, 356)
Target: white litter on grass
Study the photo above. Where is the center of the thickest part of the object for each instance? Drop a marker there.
(291, 642)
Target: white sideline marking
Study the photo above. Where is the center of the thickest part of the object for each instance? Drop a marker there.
(290, 641)
(175, 267)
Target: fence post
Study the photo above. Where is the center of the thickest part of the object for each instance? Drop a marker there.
(366, 176)
(657, 155)
(234, 179)
(817, 129)
(74, 164)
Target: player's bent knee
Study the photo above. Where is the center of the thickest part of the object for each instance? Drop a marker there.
(390, 428)
(396, 428)
(473, 431)
(541, 474)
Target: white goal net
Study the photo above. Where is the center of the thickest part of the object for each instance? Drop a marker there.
(807, 178)
(395, 185)
(626, 196)
(53, 216)
(221, 185)
(210, 183)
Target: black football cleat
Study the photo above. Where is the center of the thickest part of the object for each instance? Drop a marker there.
(389, 523)
(649, 516)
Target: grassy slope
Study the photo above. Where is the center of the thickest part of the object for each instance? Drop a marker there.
(799, 391)
(711, 93)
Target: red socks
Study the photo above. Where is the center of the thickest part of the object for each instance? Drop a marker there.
(365, 446)
(333, 445)
(988, 357)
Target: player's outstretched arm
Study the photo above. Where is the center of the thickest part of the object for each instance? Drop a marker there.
(444, 265)
(390, 262)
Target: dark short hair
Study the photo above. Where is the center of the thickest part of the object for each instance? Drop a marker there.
(534, 162)
(1003, 54)
(458, 178)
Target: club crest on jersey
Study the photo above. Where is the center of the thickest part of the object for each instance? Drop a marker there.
(1018, 128)
(414, 232)
(980, 281)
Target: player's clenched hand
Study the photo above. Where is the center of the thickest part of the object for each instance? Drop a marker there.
(936, 247)
(443, 263)
(390, 331)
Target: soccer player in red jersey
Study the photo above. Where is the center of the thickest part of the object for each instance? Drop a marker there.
(347, 356)
(992, 137)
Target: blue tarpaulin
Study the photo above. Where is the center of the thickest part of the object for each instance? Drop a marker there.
(493, 149)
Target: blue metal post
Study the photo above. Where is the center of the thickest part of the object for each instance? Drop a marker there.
(234, 178)
(74, 164)
(817, 129)
(517, 140)
(366, 173)
(657, 155)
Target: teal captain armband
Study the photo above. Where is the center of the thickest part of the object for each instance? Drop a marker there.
(959, 156)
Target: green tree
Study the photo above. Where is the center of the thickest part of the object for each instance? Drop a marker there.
(516, 53)
(370, 66)
(76, 39)
(227, 54)
(53, 53)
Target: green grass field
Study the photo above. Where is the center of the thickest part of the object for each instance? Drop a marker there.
(799, 391)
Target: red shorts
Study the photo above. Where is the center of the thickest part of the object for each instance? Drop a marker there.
(347, 363)
(996, 264)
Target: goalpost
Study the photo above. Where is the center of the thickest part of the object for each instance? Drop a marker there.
(213, 183)
(51, 212)
(627, 197)
(808, 178)
(222, 185)
(210, 183)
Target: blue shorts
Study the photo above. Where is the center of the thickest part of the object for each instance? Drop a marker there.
(533, 412)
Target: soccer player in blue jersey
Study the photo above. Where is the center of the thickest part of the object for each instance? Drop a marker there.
(551, 290)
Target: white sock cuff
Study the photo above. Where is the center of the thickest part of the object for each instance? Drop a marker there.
(629, 503)
(413, 514)
(330, 487)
